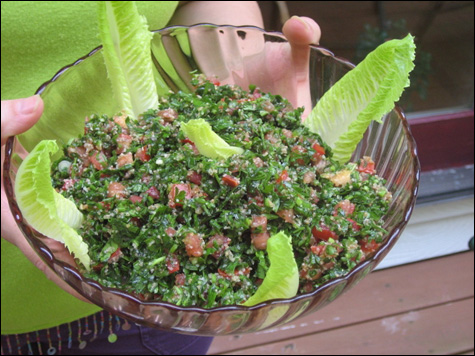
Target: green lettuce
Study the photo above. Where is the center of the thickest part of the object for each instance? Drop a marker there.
(364, 94)
(126, 46)
(207, 141)
(45, 209)
(282, 277)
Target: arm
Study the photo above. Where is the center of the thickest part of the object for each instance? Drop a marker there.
(218, 12)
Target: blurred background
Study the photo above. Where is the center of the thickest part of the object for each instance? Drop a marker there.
(442, 82)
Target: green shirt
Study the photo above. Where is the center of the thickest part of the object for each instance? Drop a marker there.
(37, 39)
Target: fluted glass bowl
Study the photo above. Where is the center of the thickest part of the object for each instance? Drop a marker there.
(230, 54)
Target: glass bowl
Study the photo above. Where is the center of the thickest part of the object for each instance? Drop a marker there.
(229, 54)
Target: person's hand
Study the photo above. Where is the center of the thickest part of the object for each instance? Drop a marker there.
(301, 32)
(276, 67)
(279, 68)
(284, 67)
(17, 117)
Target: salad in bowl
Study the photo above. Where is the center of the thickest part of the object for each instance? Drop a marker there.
(214, 207)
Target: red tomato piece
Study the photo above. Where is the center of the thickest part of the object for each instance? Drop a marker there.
(135, 199)
(194, 177)
(142, 154)
(283, 177)
(368, 246)
(194, 245)
(175, 189)
(346, 206)
(324, 233)
(114, 257)
(153, 193)
(230, 181)
(173, 264)
(366, 165)
(117, 190)
(319, 150)
(98, 160)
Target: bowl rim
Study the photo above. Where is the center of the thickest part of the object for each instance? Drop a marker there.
(48, 257)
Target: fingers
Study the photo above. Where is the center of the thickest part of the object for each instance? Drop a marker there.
(19, 115)
(301, 31)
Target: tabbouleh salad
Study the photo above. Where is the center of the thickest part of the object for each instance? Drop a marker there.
(167, 223)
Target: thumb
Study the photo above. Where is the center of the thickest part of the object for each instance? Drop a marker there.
(19, 115)
(301, 31)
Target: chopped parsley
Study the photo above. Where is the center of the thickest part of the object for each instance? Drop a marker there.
(167, 223)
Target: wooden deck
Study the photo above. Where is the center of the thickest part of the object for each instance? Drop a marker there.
(419, 308)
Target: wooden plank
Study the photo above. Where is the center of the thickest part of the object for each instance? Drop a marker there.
(443, 329)
(382, 293)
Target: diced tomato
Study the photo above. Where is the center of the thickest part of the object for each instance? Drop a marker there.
(187, 140)
(324, 233)
(169, 115)
(319, 150)
(120, 120)
(117, 190)
(175, 189)
(346, 206)
(115, 256)
(192, 144)
(194, 245)
(135, 198)
(259, 240)
(98, 160)
(215, 81)
(259, 221)
(153, 193)
(173, 264)
(125, 158)
(282, 177)
(258, 162)
(259, 233)
(180, 279)
(170, 231)
(366, 165)
(317, 249)
(368, 246)
(287, 214)
(230, 181)
(142, 154)
(194, 177)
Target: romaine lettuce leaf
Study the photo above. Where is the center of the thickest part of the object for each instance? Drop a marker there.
(45, 209)
(126, 46)
(365, 93)
(207, 141)
(282, 278)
